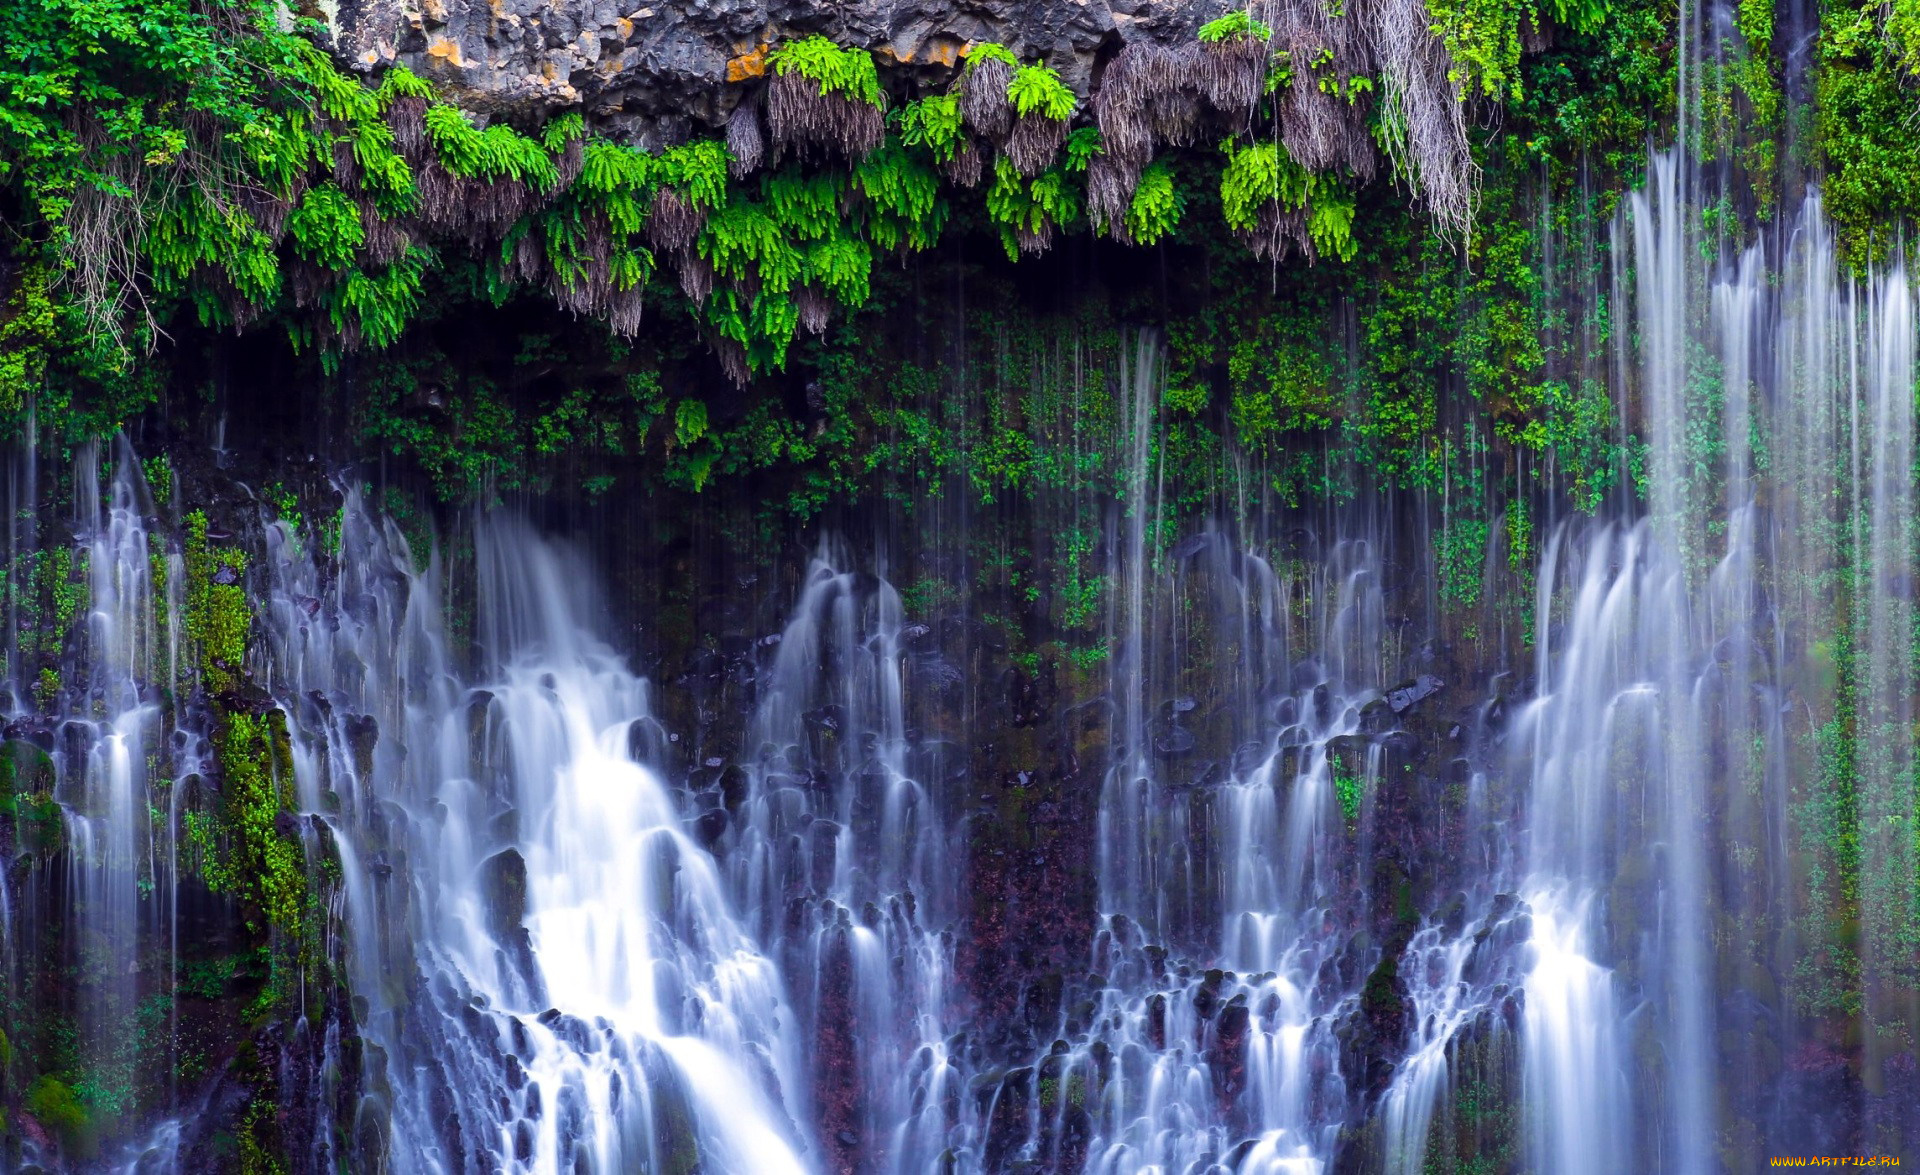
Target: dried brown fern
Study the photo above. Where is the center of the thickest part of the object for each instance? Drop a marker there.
(815, 307)
(673, 222)
(983, 99)
(1231, 74)
(966, 168)
(696, 276)
(1035, 143)
(1425, 116)
(408, 119)
(745, 141)
(800, 113)
(387, 241)
(1110, 186)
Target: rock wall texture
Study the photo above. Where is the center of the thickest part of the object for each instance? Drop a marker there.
(653, 70)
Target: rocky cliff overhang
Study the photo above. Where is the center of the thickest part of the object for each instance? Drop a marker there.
(653, 72)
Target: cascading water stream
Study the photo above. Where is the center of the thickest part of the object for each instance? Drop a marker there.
(840, 817)
(550, 965)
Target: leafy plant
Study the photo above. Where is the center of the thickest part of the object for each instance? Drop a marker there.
(981, 52)
(1157, 204)
(932, 123)
(1038, 89)
(1238, 23)
(326, 227)
(847, 72)
(1261, 175)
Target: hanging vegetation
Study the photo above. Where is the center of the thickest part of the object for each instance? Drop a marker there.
(746, 141)
(824, 96)
(984, 81)
(1231, 66)
(1041, 106)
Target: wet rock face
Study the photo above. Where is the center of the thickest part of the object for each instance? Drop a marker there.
(655, 70)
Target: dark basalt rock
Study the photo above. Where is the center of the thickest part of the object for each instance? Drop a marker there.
(652, 71)
(1425, 686)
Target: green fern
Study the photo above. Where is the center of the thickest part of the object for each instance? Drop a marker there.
(848, 72)
(698, 170)
(1033, 207)
(326, 227)
(1330, 223)
(1038, 89)
(743, 243)
(563, 130)
(981, 51)
(903, 198)
(384, 173)
(1238, 23)
(1262, 173)
(381, 304)
(1157, 205)
(932, 123)
(843, 267)
(619, 180)
(496, 153)
(806, 206)
(189, 232)
(401, 82)
(1082, 146)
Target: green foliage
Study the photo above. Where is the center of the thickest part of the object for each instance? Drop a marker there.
(1029, 209)
(1082, 145)
(1460, 555)
(217, 614)
(55, 1106)
(1483, 39)
(1238, 23)
(905, 207)
(698, 170)
(27, 331)
(1261, 174)
(932, 123)
(498, 152)
(1036, 89)
(1598, 94)
(255, 860)
(1348, 789)
(467, 434)
(847, 72)
(326, 227)
(1865, 131)
(981, 51)
(1157, 204)
(689, 421)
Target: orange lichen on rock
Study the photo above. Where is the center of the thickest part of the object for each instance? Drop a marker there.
(748, 65)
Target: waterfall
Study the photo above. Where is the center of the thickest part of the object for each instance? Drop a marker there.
(554, 973)
(1346, 876)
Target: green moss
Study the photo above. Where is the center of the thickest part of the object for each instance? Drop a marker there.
(1349, 789)
(242, 851)
(218, 617)
(55, 1105)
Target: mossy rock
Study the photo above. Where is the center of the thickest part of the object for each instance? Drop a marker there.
(27, 777)
(55, 1105)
